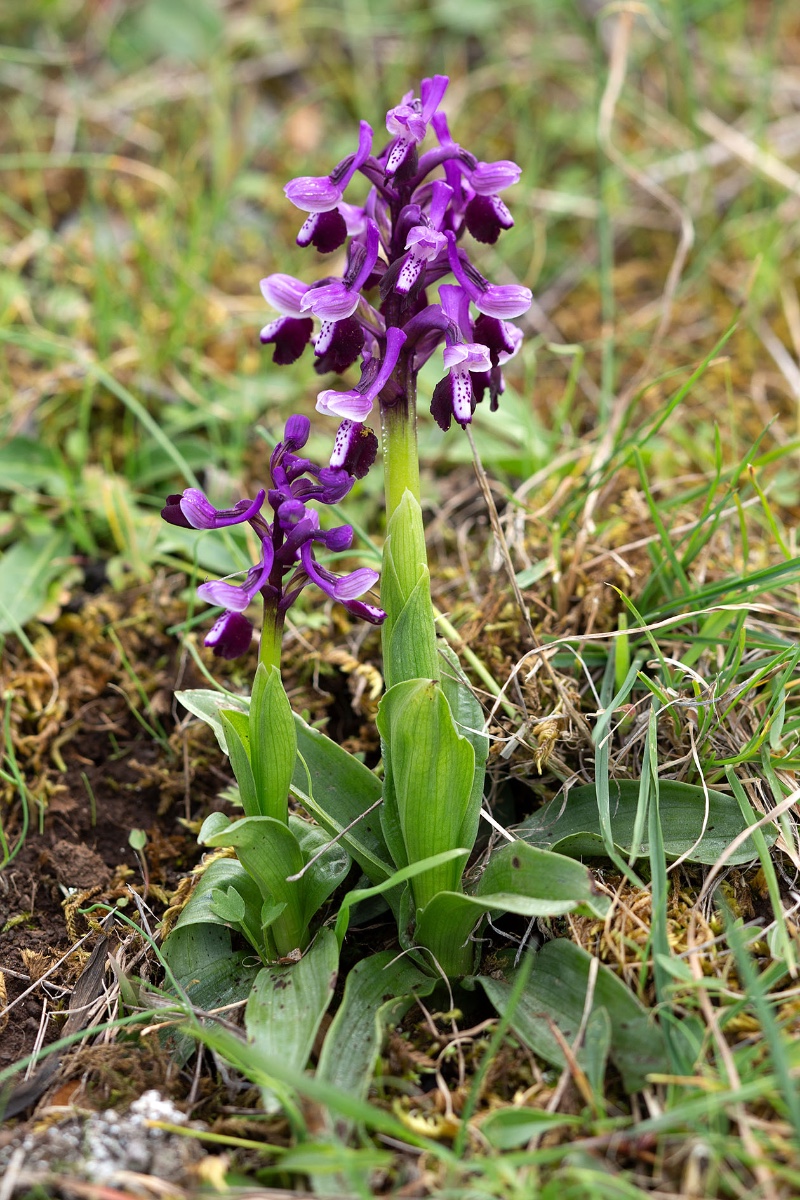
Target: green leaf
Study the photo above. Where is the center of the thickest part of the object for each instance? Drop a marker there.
(378, 992)
(409, 636)
(574, 828)
(342, 788)
(215, 822)
(208, 705)
(518, 879)
(26, 572)
(556, 992)
(228, 905)
(468, 716)
(432, 768)
(287, 1003)
(268, 851)
(237, 736)
(224, 873)
(273, 742)
(205, 965)
(507, 1128)
(327, 872)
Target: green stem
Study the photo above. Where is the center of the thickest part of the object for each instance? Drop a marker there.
(271, 637)
(400, 458)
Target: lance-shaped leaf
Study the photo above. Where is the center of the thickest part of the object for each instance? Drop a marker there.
(209, 705)
(287, 1004)
(409, 640)
(432, 770)
(704, 826)
(517, 879)
(556, 994)
(269, 852)
(378, 993)
(273, 742)
(468, 716)
(236, 726)
(325, 874)
(341, 789)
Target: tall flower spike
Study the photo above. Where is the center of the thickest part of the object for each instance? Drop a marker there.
(322, 195)
(495, 300)
(408, 122)
(356, 404)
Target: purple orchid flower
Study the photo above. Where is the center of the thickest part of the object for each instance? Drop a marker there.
(408, 122)
(335, 301)
(453, 395)
(485, 214)
(290, 333)
(357, 404)
(495, 300)
(322, 196)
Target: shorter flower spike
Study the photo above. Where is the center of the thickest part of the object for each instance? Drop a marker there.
(234, 596)
(287, 561)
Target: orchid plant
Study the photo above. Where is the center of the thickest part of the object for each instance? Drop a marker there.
(408, 287)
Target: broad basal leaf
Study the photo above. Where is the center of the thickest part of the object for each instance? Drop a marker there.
(573, 827)
(556, 994)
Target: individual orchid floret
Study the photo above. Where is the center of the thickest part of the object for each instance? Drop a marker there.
(322, 196)
(485, 214)
(192, 510)
(355, 448)
(424, 242)
(503, 301)
(408, 122)
(501, 337)
(236, 597)
(230, 636)
(290, 333)
(344, 588)
(453, 395)
(356, 404)
(337, 300)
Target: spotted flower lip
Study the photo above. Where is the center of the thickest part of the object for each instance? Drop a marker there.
(319, 194)
(408, 121)
(357, 404)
